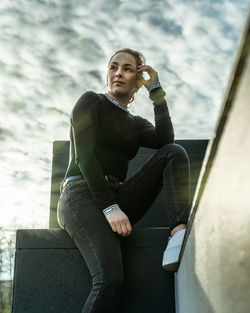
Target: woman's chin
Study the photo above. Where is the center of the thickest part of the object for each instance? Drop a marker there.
(118, 92)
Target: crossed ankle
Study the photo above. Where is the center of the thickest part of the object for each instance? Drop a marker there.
(177, 228)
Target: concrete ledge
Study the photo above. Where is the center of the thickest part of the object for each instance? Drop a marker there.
(57, 238)
(51, 275)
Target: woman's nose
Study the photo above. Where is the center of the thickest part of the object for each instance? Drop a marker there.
(118, 72)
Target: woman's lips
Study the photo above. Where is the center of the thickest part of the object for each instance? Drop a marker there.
(119, 83)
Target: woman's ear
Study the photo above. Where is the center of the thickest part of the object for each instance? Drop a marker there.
(139, 84)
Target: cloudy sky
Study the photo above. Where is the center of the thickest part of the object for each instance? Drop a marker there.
(53, 51)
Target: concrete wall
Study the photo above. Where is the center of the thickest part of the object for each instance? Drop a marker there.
(214, 275)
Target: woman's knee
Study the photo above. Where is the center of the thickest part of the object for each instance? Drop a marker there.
(175, 151)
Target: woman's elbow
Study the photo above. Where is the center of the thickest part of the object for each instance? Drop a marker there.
(169, 139)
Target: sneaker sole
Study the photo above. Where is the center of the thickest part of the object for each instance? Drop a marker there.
(171, 267)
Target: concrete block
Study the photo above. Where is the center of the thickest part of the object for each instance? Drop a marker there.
(51, 275)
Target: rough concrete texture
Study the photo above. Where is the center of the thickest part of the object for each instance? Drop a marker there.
(214, 272)
(52, 277)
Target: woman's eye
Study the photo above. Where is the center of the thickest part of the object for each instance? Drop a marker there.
(128, 69)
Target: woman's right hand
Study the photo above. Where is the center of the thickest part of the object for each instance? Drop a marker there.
(119, 222)
(153, 75)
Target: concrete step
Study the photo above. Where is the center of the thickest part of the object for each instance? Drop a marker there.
(51, 275)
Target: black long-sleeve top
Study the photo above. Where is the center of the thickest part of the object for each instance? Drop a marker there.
(103, 138)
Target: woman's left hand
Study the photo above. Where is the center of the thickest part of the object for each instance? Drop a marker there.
(153, 75)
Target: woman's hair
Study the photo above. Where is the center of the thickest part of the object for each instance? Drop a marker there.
(139, 57)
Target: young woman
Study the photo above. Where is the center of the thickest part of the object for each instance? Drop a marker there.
(97, 204)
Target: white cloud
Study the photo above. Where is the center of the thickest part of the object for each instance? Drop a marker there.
(54, 51)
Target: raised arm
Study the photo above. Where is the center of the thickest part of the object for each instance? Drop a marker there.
(162, 133)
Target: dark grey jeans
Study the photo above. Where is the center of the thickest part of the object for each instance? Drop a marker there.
(167, 170)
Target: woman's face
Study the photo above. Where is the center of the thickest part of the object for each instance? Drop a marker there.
(122, 77)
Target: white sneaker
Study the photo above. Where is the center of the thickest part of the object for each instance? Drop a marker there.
(170, 261)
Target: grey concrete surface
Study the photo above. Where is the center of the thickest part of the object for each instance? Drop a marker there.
(52, 277)
(214, 273)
